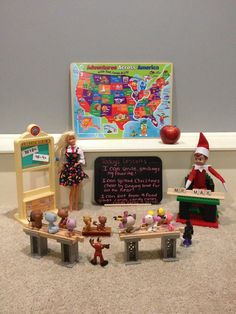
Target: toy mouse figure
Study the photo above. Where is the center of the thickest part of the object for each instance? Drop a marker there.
(197, 176)
(71, 159)
(98, 246)
(188, 232)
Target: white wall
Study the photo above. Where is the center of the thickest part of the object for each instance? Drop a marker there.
(39, 39)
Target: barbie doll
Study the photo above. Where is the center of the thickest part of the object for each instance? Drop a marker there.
(71, 159)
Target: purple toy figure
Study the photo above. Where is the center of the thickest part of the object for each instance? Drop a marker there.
(188, 232)
(70, 224)
(127, 222)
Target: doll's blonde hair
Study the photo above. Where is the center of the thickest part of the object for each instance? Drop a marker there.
(61, 145)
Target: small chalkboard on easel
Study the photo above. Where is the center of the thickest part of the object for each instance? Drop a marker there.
(128, 180)
(34, 152)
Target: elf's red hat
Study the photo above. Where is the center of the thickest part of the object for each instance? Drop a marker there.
(202, 146)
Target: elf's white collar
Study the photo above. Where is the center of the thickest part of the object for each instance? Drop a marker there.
(201, 168)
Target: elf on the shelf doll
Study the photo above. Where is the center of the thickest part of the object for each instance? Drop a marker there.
(197, 175)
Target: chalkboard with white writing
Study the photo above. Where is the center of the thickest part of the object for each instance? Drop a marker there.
(128, 180)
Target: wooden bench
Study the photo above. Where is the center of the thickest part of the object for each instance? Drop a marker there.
(69, 244)
(168, 243)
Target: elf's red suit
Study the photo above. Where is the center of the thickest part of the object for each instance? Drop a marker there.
(198, 176)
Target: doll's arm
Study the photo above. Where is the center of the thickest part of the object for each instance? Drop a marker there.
(82, 159)
(217, 175)
(190, 178)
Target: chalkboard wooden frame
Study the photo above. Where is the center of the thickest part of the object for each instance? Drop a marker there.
(128, 180)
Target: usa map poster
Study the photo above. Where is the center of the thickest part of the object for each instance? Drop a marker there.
(120, 100)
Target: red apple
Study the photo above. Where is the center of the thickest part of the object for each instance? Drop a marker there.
(170, 134)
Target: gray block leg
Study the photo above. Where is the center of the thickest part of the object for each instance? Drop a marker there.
(131, 255)
(69, 254)
(38, 245)
(168, 248)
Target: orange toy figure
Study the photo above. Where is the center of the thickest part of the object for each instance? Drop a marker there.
(71, 158)
(88, 222)
(98, 246)
(197, 176)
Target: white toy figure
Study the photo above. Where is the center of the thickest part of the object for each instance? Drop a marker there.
(150, 222)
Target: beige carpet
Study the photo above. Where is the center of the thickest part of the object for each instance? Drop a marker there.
(202, 281)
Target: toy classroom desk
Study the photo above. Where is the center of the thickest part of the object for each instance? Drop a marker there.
(69, 245)
(209, 212)
(168, 243)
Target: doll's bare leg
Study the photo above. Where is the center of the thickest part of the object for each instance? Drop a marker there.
(77, 192)
(71, 197)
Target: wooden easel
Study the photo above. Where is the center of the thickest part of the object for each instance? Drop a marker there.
(34, 151)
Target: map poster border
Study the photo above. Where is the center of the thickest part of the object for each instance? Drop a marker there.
(121, 100)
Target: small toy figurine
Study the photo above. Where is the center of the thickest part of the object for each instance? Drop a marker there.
(51, 218)
(63, 214)
(188, 232)
(122, 219)
(98, 246)
(99, 230)
(163, 217)
(197, 177)
(127, 222)
(101, 224)
(70, 157)
(150, 221)
(36, 217)
(70, 224)
(88, 222)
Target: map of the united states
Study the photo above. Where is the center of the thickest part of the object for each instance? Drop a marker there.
(109, 100)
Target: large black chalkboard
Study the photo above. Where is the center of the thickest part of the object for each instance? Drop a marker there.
(128, 180)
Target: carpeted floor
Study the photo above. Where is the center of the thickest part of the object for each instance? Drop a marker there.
(202, 281)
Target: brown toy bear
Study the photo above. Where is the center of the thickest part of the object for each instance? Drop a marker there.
(102, 222)
(63, 214)
(36, 217)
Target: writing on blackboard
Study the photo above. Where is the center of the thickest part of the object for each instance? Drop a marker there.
(128, 180)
